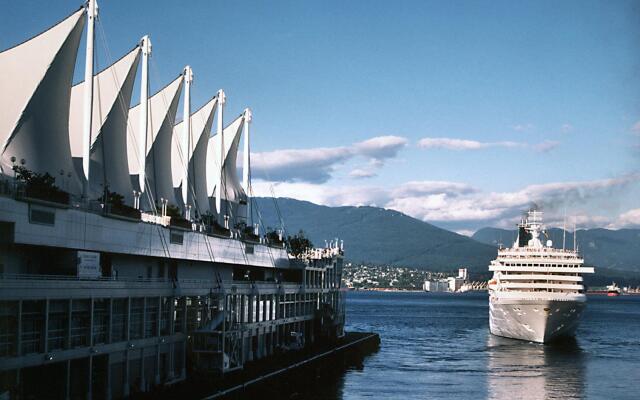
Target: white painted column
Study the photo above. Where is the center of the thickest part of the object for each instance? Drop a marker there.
(145, 44)
(92, 13)
(186, 133)
(221, 101)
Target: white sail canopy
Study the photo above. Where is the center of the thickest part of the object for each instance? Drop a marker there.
(162, 112)
(231, 188)
(201, 122)
(111, 102)
(35, 89)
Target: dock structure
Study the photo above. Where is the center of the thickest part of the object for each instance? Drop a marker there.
(133, 324)
(130, 251)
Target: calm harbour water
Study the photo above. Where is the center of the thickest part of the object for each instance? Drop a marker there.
(438, 346)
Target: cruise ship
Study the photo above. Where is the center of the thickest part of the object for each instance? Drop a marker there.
(131, 248)
(536, 292)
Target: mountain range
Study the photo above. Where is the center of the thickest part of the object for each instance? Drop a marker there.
(378, 236)
(386, 237)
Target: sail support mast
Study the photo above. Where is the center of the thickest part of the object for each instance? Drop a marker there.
(246, 165)
(145, 44)
(246, 155)
(92, 14)
(186, 138)
(221, 101)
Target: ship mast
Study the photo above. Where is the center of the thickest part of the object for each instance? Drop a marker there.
(92, 14)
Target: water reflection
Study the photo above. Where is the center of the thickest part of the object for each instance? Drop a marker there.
(324, 380)
(523, 370)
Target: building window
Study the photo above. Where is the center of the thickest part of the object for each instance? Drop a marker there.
(41, 216)
(100, 321)
(137, 315)
(176, 237)
(119, 320)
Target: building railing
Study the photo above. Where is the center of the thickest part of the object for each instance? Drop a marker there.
(139, 281)
(80, 278)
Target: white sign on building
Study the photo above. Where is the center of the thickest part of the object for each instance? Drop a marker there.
(88, 264)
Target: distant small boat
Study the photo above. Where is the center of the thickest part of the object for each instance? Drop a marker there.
(613, 290)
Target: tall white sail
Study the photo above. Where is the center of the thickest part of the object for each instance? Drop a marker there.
(201, 122)
(231, 190)
(162, 112)
(111, 101)
(35, 82)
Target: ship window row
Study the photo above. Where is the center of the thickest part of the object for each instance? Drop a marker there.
(528, 256)
(540, 265)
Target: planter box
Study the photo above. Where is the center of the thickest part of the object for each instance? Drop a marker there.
(180, 223)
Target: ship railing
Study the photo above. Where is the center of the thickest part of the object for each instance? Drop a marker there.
(536, 250)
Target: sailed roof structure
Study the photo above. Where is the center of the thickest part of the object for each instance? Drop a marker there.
(34, 101)
(111, 101)
(162, 112)
(201, 122)
(231, 188)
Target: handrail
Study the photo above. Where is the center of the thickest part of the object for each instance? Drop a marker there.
(10, 276)
(127, 279)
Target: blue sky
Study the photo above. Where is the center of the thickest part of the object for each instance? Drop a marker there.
(478, 107)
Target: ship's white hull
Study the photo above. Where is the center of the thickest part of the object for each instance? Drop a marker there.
(534, 320)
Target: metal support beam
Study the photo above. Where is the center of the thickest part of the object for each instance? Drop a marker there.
(158, 330)
(69, 319)
(90, 379)
(128, 318)
(19, 338)
(144, 317)
(46, 326)
(91, 321)
(110, 323)
(67, 391)
(143, 383)
(125, 389)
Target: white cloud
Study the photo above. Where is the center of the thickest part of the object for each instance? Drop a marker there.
(362, 173)
(380, 147)
(460, 206)
(328, 195)
(317, 165)
(421, 188)
(307, 165)
(636, 128)
(628, 219)
(461, 144)
(464, 144)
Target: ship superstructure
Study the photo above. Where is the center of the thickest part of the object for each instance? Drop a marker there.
(128, 243)
(536, 292)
